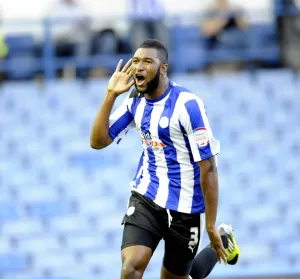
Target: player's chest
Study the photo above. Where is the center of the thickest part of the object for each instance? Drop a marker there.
(156, 123)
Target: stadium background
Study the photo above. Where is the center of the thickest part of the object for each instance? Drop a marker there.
(61, 202)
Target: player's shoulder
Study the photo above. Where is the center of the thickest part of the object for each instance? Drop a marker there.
(184, 95)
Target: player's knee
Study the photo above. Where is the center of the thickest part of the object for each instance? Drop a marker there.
(129, 271)
(133, 264)
(132, 269)
(135, 260)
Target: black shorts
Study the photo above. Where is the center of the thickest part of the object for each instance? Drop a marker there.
(146, 223)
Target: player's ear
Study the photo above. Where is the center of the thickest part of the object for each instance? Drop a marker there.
(164, 68)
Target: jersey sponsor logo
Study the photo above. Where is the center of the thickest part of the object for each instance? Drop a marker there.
(153, 143)
(150, 142)
(201, 137)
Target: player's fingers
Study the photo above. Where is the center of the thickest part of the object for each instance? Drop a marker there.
(127, 65)
(223, 255)
(119, 65)
(129, 70)
(224, 252)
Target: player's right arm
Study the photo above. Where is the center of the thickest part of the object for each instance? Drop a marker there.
(119, 83)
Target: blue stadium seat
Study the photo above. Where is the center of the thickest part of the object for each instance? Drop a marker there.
(9, 211)
(23, 63)
(50, 209)
(58, 262)
(13, 262)
(70, 224)
(22, 228)
(39, 244)
(5, 246)
(87, 241)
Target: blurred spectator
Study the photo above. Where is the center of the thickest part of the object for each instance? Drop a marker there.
(224, 25)
(104, 41)
(3, 46)
(147, 21)
(3, 50)
(71, 28)
(289, 26)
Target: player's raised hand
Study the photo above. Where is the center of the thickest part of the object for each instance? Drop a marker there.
(217, 244)
(120, 80)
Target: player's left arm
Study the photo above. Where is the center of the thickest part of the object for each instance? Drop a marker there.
(204, 149)
(210, 189)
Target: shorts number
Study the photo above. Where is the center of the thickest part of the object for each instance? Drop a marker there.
(194, 236)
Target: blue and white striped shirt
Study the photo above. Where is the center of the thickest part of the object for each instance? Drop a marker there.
(175, 135)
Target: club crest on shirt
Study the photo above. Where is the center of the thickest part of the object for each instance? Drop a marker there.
(164, 122)
(201, 137)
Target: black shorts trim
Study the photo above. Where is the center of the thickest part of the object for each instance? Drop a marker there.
(126, 245)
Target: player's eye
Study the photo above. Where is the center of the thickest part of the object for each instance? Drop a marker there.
(148, 61)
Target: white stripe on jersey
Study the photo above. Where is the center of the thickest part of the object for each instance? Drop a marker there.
(145, 181)
(120, 110)
(186, 169)
(160, 160)
(117, 115)
(146, 177)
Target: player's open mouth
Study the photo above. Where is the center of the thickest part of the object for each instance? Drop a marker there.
(140, 80)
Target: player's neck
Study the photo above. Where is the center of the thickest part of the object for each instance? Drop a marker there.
(160, 90)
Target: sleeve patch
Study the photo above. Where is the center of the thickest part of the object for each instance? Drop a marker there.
(201, 137)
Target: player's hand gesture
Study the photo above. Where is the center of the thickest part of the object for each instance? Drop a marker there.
(119, 82)
(217, 244)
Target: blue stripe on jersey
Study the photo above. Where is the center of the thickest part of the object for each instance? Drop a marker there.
(196, 120)
(170, 152)
(120, 125)
(198, 201)
(134, 105)
(140, 165)
(145, 127)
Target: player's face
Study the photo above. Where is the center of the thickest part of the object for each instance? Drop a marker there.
(146, 69)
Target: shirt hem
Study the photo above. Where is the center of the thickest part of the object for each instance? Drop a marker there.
(186, 211)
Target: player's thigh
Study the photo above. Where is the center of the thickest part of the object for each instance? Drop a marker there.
(181, 244)
(141, 234)
(138, 245)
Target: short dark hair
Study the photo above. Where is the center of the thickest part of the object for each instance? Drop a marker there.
(163, 52)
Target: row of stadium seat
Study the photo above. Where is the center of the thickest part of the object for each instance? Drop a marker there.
(62, 203)
(24, 61)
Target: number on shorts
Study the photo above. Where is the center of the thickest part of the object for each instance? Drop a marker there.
(194, 236)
